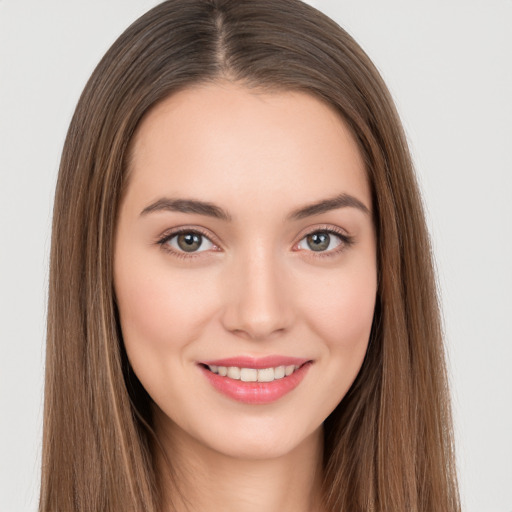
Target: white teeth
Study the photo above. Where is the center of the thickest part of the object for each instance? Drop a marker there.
(234, 372)
(248, 374)
(289, 370)
(266, 375)
(279, 372)
(253, 374)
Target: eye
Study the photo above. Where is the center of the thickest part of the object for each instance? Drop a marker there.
(323, 241)
(188, 242)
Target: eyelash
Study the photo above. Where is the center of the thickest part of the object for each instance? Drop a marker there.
(182, 254)
(346, 241)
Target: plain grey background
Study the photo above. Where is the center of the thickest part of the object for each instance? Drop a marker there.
(448, 64)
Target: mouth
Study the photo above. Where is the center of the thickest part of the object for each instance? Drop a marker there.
(253, 381)
(253, 374)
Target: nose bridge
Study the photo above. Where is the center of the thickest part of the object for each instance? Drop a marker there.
(258, 305)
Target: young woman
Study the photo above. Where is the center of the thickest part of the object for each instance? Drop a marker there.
(242, 309)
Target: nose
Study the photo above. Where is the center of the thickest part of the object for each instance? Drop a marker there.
(258, 302)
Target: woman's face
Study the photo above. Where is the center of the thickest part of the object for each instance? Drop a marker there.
(245, 245)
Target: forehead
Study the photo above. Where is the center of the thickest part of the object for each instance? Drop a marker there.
(237, 146)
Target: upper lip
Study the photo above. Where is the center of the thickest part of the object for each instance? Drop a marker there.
(272, 361)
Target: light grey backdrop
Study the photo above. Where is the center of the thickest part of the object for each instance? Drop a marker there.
(448, 64)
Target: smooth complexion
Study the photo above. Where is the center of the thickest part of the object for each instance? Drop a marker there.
(245, 232)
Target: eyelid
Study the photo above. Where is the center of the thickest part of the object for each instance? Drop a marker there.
(171, 233)
(346, 239)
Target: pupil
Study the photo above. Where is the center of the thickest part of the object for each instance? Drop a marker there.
(189, 242)
(318, 241)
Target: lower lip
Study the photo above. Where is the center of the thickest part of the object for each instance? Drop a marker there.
(256, 392)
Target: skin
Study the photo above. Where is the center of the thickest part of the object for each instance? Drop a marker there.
(255, 288)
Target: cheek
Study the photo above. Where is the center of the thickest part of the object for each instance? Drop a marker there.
(145, 323)
(341, 315)
(146, 313)
(159, 307)
(161, 314)
(343, 311)
(150, 316)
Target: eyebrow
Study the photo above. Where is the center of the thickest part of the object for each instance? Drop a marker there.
(326, 205)
(212, 210)
(187, 206)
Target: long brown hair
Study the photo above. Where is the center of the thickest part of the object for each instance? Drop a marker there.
(388, 444)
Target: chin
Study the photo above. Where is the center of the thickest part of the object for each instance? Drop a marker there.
(259, 440)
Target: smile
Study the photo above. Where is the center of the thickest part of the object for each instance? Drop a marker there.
(254, 374)
(256, 381)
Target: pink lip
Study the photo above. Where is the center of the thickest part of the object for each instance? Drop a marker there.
(256, 392)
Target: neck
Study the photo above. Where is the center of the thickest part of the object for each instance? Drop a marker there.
(208, 481)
